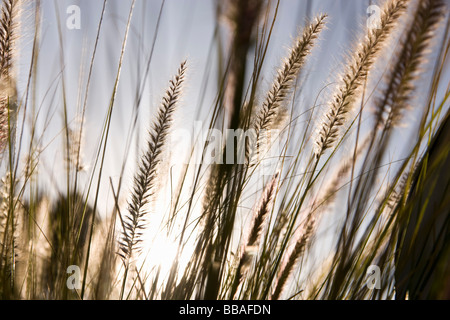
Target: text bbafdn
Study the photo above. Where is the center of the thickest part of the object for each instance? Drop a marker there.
(246, 309)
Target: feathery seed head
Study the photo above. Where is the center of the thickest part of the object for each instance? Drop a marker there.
(144, 179)
(263, 209)
(400, 86)
(351, 84)
(284, 80)
(8, 24)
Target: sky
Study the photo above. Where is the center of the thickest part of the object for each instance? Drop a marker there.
(185, 31)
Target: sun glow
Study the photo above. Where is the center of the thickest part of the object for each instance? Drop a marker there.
(161, 248)
(160, 254)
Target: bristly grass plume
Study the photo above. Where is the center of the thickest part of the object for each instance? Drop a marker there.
(134, 222)
(284, 81)
(8, 26)
(351, 84)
